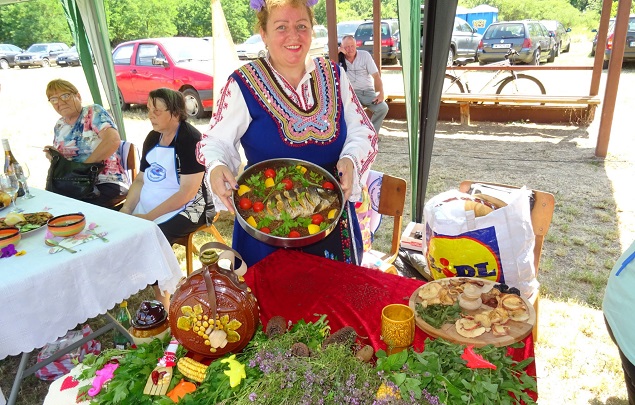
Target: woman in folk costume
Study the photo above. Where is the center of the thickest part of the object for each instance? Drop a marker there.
(287, 105)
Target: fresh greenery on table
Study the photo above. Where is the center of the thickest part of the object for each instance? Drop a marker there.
(440, 370)
(330, 375)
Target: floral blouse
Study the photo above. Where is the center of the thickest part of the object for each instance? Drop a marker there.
(78, 141)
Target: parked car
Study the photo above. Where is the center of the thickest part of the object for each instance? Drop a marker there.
(629, 47)
(560, 33)
(69, 58)
(530, 39)
(464, 42)
(390, 51)
(252, 48)
(8, 53)
(595, 39)
(43, 55)
(346, 28)
(179, 63)
(320, 41)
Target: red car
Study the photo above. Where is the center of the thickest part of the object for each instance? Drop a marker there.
(178, 63)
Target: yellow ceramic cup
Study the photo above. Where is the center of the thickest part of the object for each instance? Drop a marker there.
(397, 327)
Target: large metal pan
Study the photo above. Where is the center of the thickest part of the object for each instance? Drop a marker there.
(280, 241)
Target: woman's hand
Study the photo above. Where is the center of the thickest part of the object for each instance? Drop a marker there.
(346, 171)
(217, 178)
(46, 152)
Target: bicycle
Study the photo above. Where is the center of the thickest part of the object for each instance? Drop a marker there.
(513, 83)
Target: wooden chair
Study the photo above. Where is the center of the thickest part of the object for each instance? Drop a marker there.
(392, 198)
(188, 242)
(129, 159)
(541, 215)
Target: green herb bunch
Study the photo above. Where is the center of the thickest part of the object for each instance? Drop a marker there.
(437, 315)
(129, 380)
(439, 370)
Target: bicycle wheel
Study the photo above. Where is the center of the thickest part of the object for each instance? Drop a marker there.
(452, 84)
(522, 84)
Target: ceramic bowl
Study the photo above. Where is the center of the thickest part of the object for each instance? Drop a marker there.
(67, 225)
(9, 235)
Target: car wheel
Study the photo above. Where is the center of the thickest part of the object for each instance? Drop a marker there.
(556, 50)
(124, 106)
(46, 63)
(552, 56)
(450, 60)
(23, 67)
(568, 48)
(193, 105)
(4, 64)
(536, 58)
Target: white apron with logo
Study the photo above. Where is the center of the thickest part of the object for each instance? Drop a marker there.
(160, 182)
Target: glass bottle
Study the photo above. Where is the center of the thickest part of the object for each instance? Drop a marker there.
(123, 317)
(9, 162)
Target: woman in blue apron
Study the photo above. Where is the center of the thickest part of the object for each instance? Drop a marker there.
(169, 187)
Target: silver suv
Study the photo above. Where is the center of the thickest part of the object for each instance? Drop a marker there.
(40, 55)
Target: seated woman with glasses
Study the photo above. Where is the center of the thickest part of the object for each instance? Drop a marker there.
(169, 188)
(88, 134)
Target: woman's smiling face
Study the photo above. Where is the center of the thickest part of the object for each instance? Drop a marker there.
(288, 35)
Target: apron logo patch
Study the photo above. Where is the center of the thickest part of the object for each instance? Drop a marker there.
(156, 172)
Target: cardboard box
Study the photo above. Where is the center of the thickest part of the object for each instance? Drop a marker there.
(413, 237)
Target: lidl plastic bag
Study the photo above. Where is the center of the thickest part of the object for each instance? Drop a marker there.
(497, 246)
(64, 364)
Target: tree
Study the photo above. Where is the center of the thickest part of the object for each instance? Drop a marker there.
(34, 21)
(194, 19)
(133, 19)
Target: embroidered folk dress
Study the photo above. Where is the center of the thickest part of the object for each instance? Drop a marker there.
(320, 121)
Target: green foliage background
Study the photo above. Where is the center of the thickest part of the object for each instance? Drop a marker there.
(34, 21)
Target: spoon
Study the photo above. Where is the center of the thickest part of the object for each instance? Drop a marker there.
(52, 242)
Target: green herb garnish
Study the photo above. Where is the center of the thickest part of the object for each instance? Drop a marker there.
(437, 314)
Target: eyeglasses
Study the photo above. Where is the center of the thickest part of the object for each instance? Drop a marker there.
(156, 112)
(63, 97)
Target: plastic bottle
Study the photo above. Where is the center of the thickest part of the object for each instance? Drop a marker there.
(123, 317)
(9, 161)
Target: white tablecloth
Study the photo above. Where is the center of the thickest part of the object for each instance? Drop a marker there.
(44, 295)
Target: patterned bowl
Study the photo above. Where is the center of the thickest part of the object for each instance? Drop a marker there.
(67, 225)
(9, 235)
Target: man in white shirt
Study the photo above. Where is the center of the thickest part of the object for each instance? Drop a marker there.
(365, 79)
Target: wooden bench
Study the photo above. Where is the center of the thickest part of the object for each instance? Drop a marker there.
(465, 100)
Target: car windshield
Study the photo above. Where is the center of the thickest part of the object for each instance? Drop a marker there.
(73, 49)
(505, 31)
(551, 25)
(191, 49)
(37, 48)
(254, 39)
(346, 28)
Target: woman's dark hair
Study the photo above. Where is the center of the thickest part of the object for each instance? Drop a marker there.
(173, 100)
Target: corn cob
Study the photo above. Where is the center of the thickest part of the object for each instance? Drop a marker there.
(192, 369)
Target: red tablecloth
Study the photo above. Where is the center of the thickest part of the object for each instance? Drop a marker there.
(297, 286)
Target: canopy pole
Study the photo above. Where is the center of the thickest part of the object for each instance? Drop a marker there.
(438, 23)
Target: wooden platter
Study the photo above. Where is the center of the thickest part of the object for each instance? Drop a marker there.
(515, 330)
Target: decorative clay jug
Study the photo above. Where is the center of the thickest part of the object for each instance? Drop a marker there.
(213, 311)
